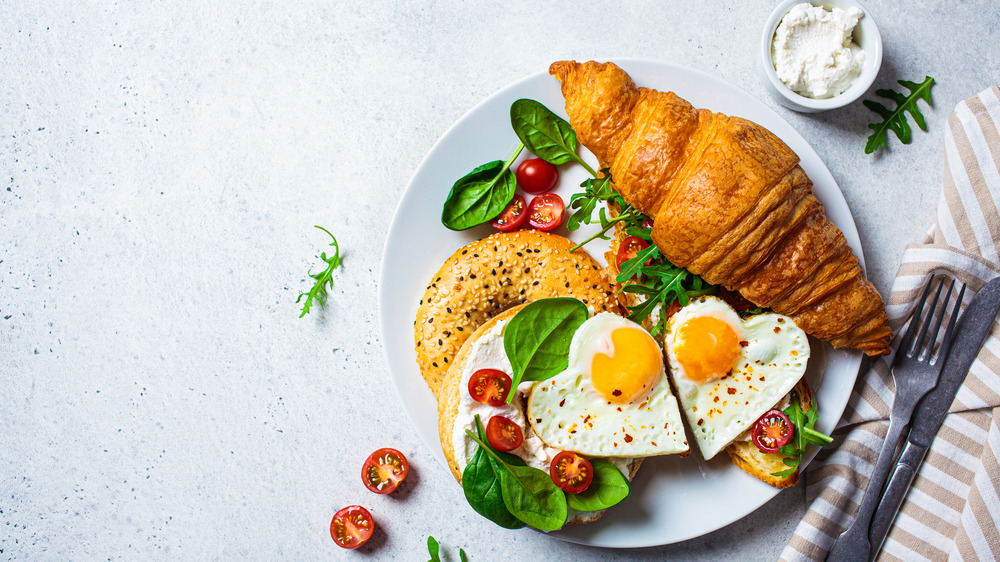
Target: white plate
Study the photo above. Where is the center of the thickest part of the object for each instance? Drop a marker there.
(673, 499)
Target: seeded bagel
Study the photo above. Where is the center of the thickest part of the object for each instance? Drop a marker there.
(491, 275)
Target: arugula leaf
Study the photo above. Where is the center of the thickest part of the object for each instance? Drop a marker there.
(544, 133)
(805, 433)
(480, 195)
(323, 279)
(895, 120)
(661, 282)
(537, 338)
(608, 488)
(433, 548)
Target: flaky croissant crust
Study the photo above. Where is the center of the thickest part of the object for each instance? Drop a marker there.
(729, 201)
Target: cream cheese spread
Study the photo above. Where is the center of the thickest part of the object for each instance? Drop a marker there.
(813, 51)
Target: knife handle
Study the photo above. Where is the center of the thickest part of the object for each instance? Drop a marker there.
(902, 477)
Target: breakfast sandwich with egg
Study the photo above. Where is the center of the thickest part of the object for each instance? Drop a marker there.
(730, 374)
(612, 401)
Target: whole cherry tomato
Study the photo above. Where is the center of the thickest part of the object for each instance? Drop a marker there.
(535, 175)
(384, 470)
(513, 216)
(772, 431)
(503, 434)
(352, 526)
(546, 212)
(570, 472)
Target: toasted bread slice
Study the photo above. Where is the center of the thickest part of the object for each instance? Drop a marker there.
(751, 460)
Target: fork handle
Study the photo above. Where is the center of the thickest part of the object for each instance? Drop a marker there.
(853, 543)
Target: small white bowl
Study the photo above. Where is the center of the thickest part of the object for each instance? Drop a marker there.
(866, 35)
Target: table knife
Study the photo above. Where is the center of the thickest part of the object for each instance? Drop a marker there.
(971, 333)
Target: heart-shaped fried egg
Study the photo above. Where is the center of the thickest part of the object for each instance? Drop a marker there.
(613, 400)
(729, 371)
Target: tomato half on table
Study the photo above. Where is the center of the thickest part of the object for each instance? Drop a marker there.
(352, 526)
(535, 175)
(513, 216)
(546, 212)
(503, 434)
(490, 387)
(384, 470)
(772, 431)
(570, 472)
(629, 249)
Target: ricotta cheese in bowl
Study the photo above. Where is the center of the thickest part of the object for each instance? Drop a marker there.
(813, 51)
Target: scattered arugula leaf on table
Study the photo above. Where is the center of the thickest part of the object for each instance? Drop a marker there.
(434, 549)
(318, 291)
(895, 120)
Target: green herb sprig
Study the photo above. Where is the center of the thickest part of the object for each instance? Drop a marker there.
(805, 433)
(895, 120)
(323, 279)
(434, 549)
(650, 274)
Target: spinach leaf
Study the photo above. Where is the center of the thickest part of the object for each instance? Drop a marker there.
(537, 338)
(480, 195)
(608, 488)
(482, 488)
(544, 133)
(531, 496)
(528, 493)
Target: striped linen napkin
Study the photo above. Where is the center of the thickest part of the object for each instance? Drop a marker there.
(953, 510)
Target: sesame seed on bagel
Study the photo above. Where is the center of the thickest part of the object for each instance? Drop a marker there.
(488, 276)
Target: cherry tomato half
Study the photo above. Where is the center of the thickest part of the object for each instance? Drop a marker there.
(513, 217)
(490, 387)
(546, 212)
(629, 248)
(352, 527)
(772, 431)
(503, 434)
(570, 472)
(535, 175)
(384, 470)
(736, 300)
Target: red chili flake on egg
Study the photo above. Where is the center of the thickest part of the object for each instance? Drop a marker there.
(777, 329)
(731, 391)
(628, 438)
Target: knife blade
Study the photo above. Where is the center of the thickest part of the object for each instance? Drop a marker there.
(971, 333)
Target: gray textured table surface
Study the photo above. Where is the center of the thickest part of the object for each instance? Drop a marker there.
(161, 167)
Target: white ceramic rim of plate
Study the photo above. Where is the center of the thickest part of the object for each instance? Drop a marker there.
(398, 340)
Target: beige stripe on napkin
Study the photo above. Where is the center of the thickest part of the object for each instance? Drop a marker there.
(953, 510)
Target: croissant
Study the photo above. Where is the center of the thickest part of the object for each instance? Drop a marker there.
(729, 202)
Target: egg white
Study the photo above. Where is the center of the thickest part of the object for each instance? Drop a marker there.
(568, 413)
(773, 356)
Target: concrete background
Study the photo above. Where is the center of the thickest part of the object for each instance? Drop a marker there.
(162, 165)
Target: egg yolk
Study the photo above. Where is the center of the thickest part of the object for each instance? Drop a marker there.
(706, 348)
(630, 373)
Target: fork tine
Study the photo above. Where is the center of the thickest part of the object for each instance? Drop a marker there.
(928, 349)
(911, 330)
(946, 342)
(919, 344)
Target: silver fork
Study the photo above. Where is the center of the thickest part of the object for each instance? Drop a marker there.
(914, 375)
